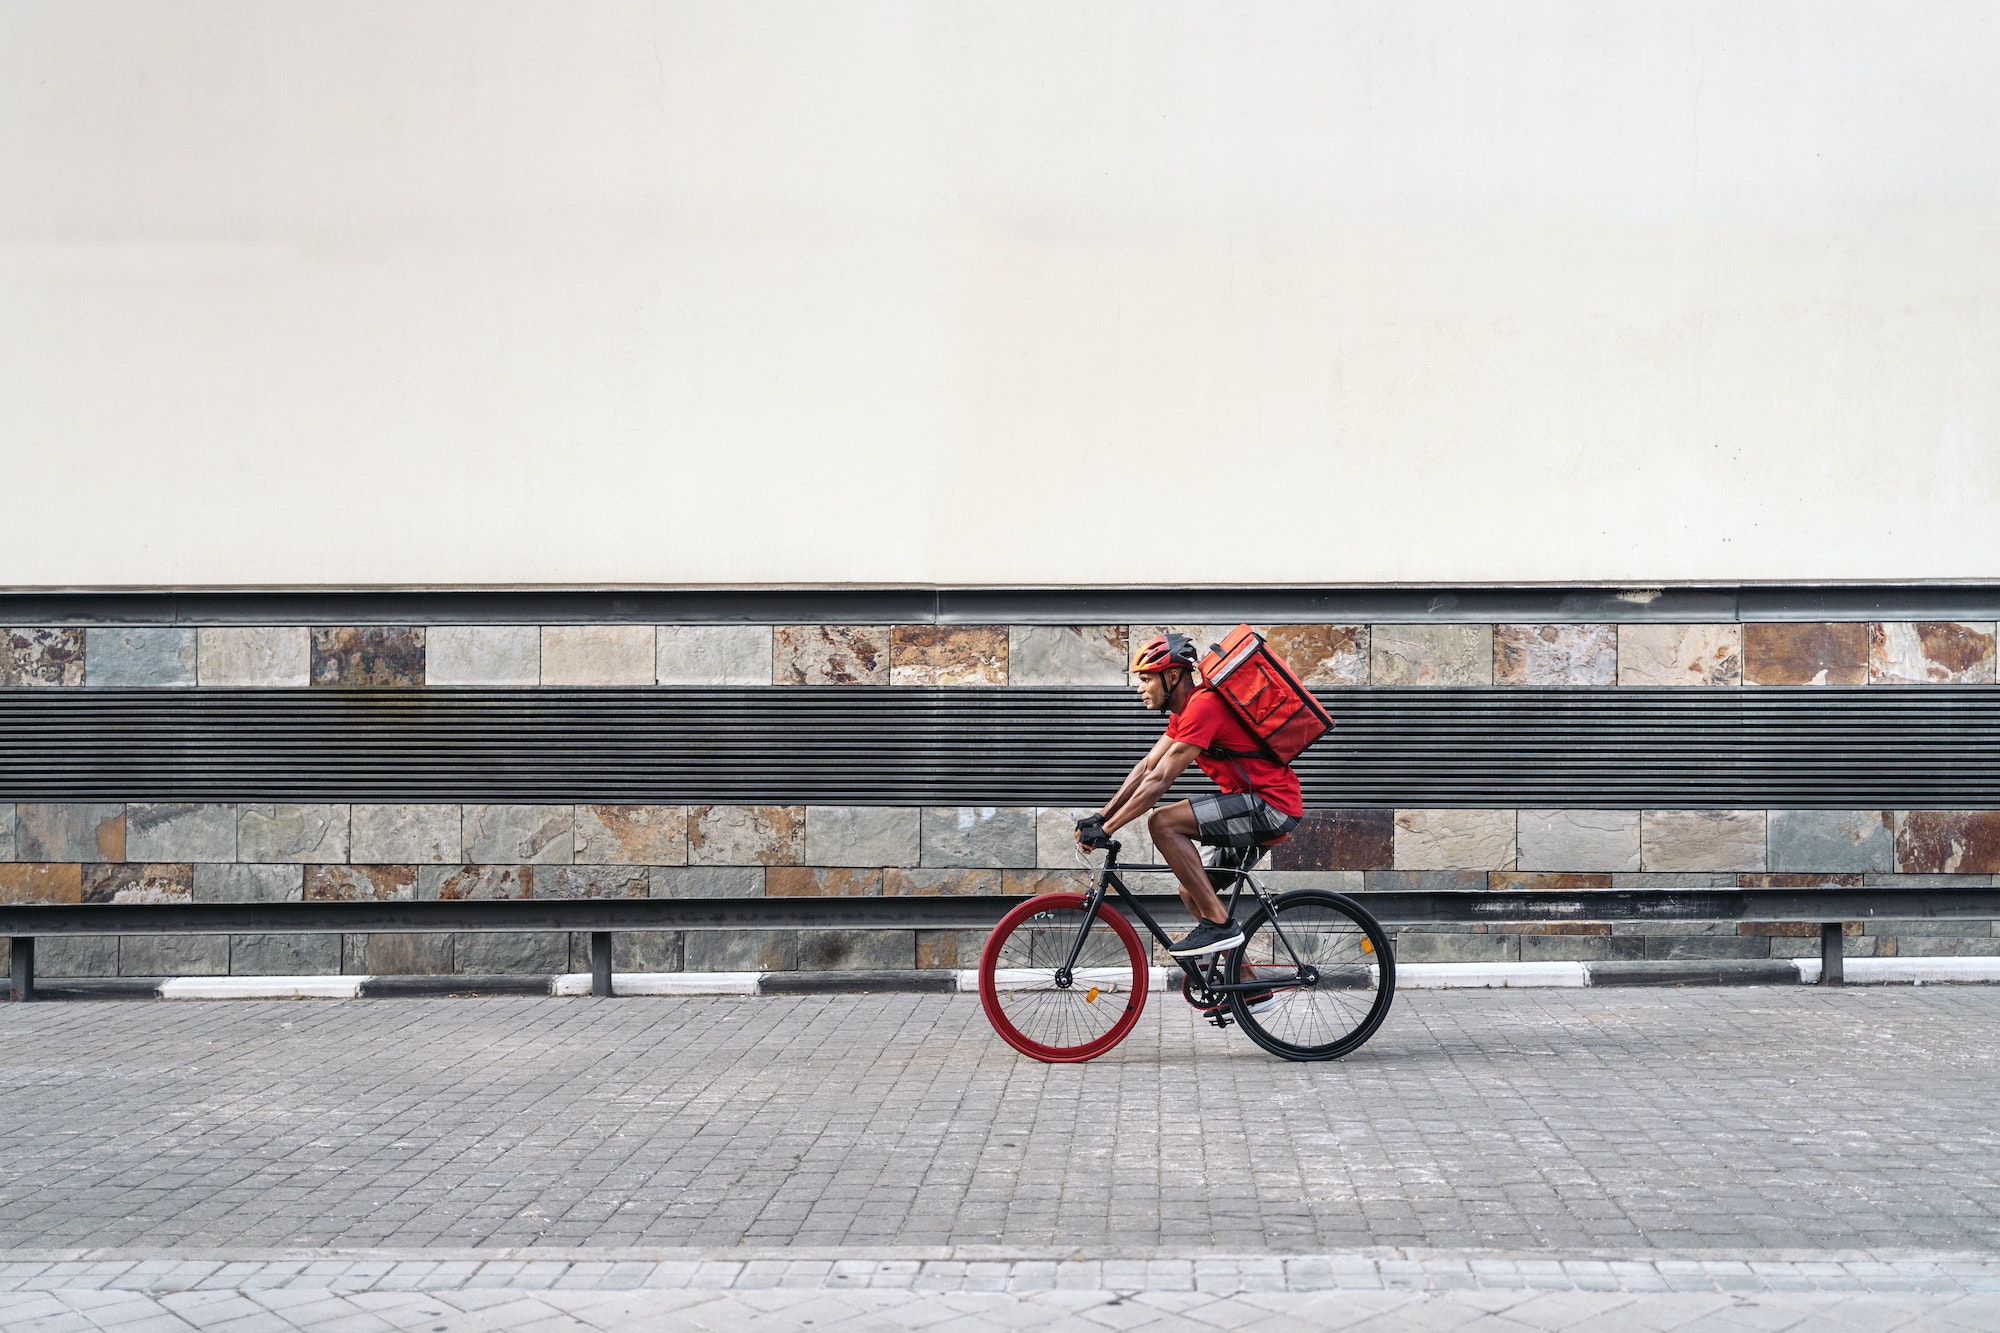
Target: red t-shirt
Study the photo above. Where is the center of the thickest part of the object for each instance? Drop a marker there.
(1207, 721)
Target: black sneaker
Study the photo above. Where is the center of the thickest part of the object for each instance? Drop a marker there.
(1207, 937)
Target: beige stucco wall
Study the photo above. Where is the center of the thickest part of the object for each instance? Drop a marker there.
(428, 293)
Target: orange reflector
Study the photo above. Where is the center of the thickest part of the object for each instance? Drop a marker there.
(1090, 996)
(1366, 947)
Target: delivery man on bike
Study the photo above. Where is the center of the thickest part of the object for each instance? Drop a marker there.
(1258, 804)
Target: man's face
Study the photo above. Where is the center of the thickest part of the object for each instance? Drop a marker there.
(1153, 689)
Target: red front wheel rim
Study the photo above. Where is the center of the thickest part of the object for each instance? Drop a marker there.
(1062, 1025)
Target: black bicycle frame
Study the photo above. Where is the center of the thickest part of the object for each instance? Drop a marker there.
(1108, 877)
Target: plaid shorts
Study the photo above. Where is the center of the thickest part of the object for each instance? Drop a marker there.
(1238, 819)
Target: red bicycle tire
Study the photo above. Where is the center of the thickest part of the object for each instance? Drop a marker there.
(989, 993)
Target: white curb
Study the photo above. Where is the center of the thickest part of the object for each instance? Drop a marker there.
(1159, 979)
(1456, 976)
(662, 983)
(1879, 971)
(261, 988)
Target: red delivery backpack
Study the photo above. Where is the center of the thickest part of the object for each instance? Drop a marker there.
(1264, 694)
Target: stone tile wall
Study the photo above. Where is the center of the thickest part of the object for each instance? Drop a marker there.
(75, 853)
(977, 656)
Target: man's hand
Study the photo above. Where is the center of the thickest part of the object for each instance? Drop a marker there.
(1090, 834)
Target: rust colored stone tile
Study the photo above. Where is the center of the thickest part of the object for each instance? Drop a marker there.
(69, 831)
(1028, 883)
(1323, 654)
(472, 883)
(41, 885)
(936, 883)
(1805, 654)
(807, 882)
(638, 835)
(948, 655)
(830, 655)
(1930, 653)
(368, 657)
(746, 835)
(944, 949)
(1782, 929)
(1528, 881)
(1800, 881)
(41, 657)
(1339, 840)
(138, 884)
(354, 884)
(1948, 842)
(590, 881)
(1555, 654)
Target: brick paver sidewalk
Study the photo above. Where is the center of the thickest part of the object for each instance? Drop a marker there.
(1741, 1125)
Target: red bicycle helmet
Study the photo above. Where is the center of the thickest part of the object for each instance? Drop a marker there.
(1164, 652)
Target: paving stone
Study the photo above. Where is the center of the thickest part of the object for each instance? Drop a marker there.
(156, 656)
(180, 831)
(1454, 839)
(137, 882)
(40, 657)
(368, 657)
(1322, 655)
(1805, 654)
(173, 956)
(69, 831)
(472, 883)
(969, 835)
(510, 953)
(1832, 840)
(856, 950)
(1339, 840)
(1930, 653)
(707, 882)
(410, 833)
(591, 882)
(1702, 839)
(631, 835)
(1431, 655)
(742, 950)
(397, 955)
(1545, 655)
(282, 833)
(1067, 655)
(483, 655)
(861, 835)
(360, 883)
(948, 655)
(287, 955)
(242, 656)
(214, 883)
(598, 655)
(1578, 839)
(808, 882)
(1927, 841)
(830, 655)
(1680, 655)
(712, 655)
(518, 834)
(743, 835)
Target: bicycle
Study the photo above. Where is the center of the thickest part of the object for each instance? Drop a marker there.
(1063, 980)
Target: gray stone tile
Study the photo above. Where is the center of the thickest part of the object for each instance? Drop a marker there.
(638, 835)
(467, 883)
(975, 835)
(280, 833)
(741, 950)
(1455, 839)
(510, 953)
(249, 883)
(591, 882)
(745, 835)
(862, 835)
(713, 655)
(1428, 946)
(518, 834)
(483, 655)
(856, 950)
(1431, 655)
(601, 655)
(1555, 655)
(173, 956)
(1702, 839)
(636, 951)
(707, 882)
(181, 831)
(286, 955)
(417, 834)
(1066, 655)
(1832, 840)
(156, 656)
(1578, 840)
(41, 657)
(69, 831)
(268, 656)
(7, 844)
(412, 955)
(77, 956)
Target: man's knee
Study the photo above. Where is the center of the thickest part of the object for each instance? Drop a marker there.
(1177, 819)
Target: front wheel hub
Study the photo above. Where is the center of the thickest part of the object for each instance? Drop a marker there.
(1064, 978)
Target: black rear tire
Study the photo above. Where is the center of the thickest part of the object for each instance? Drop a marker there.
(1347, 947)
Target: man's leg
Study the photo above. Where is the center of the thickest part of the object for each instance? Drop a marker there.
(1173, 828)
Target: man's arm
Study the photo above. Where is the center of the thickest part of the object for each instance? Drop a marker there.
(1138, 773)
(1162, 765)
